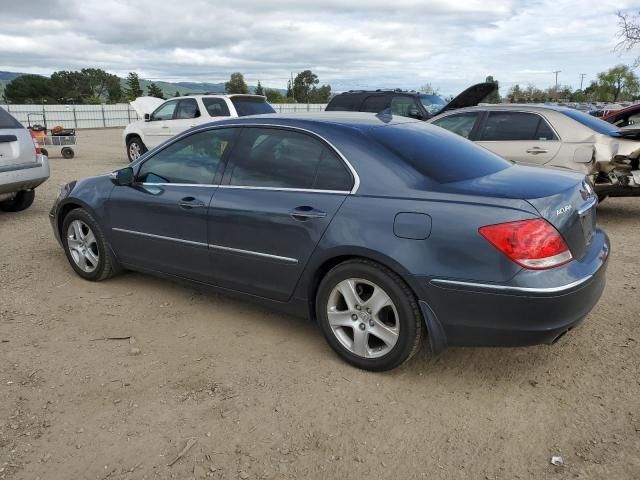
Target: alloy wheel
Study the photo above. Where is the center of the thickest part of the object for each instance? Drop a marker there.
(134, 150)
(83, 246)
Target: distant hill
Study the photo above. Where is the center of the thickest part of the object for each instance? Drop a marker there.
(169, 89)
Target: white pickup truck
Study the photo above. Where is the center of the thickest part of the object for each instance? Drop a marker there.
(164, 119)
(22, 165)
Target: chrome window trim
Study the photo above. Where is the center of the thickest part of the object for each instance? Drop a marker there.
(242, 187)
(270, 256)
(180, 136)
(507, 288)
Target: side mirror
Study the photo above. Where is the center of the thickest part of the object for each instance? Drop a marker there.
(123, 177)
(415, 113)
(147, 117)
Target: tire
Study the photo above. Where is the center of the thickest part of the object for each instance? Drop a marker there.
(21, 201)
(44, 152)
(134, 144)
(67, 152)
(89, 255)
(399, 323)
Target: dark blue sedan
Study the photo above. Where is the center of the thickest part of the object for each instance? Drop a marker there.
(382, 230)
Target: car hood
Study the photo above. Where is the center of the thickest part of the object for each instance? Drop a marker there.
(471, 97)
(144, 105)
(519, 182)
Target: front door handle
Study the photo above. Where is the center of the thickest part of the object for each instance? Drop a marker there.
(537, 150)
(189, 203)
(305, 213)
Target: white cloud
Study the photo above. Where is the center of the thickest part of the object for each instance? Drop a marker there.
(363, 44)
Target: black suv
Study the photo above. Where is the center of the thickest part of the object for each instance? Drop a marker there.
(407, 103)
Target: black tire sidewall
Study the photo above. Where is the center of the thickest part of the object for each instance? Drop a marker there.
(22, 201)
(82, 215)
(399, 295)
(67, 152)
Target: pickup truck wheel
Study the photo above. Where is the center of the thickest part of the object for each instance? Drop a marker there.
(135, 148)
(21, 201)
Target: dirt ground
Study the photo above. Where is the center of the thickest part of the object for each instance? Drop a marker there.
(264, 397)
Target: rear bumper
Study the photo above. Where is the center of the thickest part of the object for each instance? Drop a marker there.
(24, 177)
(535, 307)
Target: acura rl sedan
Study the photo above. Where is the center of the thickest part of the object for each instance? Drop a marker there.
(383, 230)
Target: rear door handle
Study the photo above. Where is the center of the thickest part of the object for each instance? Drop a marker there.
(306, 213)
(189, 203)
(537, 150)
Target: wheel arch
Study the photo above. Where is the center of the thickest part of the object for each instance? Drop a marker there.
(67, 207)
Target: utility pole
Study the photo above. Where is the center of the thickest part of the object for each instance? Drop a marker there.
(557, 72)
(582, 75)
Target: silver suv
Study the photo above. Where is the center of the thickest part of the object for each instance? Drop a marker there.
(22, 165)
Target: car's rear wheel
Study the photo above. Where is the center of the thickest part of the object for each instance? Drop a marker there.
(135, 148)
(368, 315)
(21, 201)
(86, 247)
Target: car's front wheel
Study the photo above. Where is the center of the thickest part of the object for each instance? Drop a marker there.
(86, 247)
(368, 315)
(135, 148)
(21, 201)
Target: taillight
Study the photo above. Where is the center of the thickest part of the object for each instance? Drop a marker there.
(35, 143)
(533, 244)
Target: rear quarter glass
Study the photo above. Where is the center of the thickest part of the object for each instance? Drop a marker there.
(438, 154)
(251, 106)
(7, 121)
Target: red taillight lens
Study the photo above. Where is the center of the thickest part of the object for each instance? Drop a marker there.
(35, 143)
(534, 244)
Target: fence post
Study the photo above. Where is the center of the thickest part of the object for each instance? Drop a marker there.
(44, 115)
(75, 118)
(104, 122)
(129, 113)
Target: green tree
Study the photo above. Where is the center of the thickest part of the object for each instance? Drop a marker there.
(29, 89)
(177, 94)
(133, 89)
(493, 97)
(274, 96)
(618, 83)
(290, 90)
(70, 86)
(320, 95)
(302, 85)
(259, 89)
(515, 94)
(154, 90)
(114, 91)
(236, 84)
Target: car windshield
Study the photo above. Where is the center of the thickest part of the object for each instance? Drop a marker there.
(596, 124)
(432, 103)
(251, 106)
(440, 155)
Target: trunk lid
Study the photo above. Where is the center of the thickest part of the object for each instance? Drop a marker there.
(470, 97)
(564, 199)
(16, 144)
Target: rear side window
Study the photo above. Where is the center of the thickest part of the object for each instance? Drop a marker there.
(216, 107)
(251, 106)
(460, 123)
(437, 154)
(375, 103)
(7, 121)
(276, 158)
(401, 105)
(513, 126)
(345, 103)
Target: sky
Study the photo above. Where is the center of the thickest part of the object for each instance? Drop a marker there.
(348, 44)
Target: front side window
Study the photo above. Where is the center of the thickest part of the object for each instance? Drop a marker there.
(165, 111)
(403, 106)
(277, 158)
(216, 107)
(460, 123)
(514, 126)
(187, 108)
(194, 159)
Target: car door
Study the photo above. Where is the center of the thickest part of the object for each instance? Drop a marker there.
(280, 191)
(160, 222)
(186, 116)
(157, 129)
(522, 137)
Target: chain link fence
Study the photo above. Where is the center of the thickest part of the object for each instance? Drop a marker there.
(105, 116)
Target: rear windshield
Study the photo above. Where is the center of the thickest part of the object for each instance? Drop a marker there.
(251, 106)
(442, 156)
(7, 121)
(596, 124)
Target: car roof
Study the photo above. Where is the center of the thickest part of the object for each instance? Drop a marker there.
(351, 119)
(217, 95)
(517, 106)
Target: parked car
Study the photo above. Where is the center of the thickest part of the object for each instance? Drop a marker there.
(379, 229)
(168, 118)
(412, 104)
(22, 165)
(548, 136)
(625, 117)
